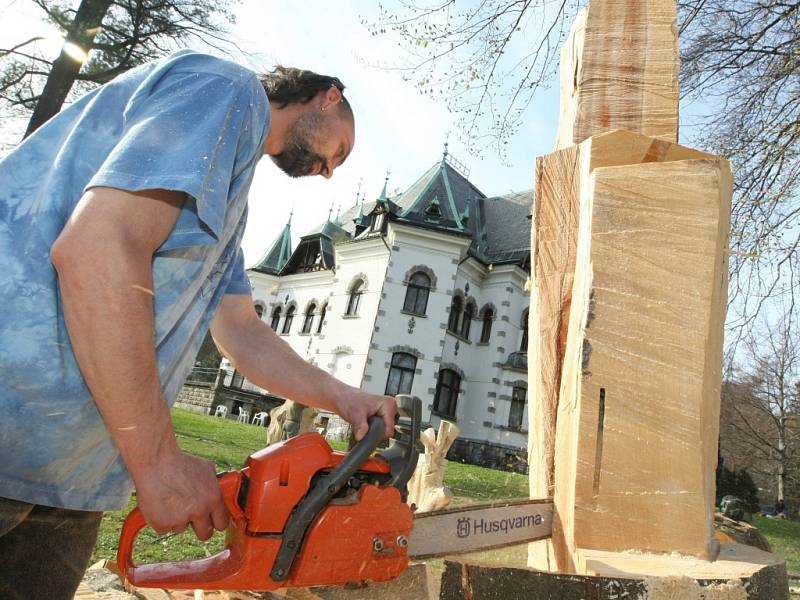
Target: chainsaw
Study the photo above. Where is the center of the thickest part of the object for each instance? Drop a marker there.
(305, 515)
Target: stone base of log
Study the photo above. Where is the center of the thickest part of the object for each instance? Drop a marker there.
(740, 573)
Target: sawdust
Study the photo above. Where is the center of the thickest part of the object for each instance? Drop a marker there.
(686, 588)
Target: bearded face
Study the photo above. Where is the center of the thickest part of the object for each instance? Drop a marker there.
(298, 159)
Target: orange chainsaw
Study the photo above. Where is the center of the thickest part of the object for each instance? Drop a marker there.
(304, 515)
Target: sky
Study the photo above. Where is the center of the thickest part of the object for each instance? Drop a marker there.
(397, 129)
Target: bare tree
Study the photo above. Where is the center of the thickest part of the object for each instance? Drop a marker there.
(115, 35)
(760, 425)
(486, 61)
(741, 59)
(739, 62)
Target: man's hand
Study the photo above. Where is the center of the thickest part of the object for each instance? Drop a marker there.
(355, 406)
(180, 491)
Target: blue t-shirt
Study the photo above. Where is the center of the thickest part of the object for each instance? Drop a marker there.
(190, 122)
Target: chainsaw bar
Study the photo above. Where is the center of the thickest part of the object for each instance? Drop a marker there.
(480, 527)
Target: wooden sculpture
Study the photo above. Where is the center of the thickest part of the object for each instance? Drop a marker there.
(628, 298)
(426, 489)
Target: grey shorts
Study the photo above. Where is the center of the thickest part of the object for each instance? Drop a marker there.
(44, 551)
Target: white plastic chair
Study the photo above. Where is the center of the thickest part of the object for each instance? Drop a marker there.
(221, 411)
(259, 419)
(244, 416)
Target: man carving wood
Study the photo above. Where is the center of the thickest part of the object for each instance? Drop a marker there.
(120, 226)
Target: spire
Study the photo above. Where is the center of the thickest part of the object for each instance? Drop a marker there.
(337, 220)
(279, 253)
(383, 195)
(360, 211)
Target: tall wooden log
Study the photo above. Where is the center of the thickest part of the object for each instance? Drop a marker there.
(638, 413)
(562, 177)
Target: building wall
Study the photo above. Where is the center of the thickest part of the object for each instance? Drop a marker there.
(358, 350)
(485, 401)
(398, 331)
(341, 347)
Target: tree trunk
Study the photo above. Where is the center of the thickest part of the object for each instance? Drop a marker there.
(65, 69)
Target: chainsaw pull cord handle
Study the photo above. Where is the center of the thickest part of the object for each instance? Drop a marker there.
(316, 499)
(229, 483)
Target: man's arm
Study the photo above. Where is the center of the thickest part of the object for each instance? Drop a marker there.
(104, 261)
(269, 362)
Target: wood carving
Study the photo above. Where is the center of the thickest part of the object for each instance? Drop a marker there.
(638, 412)
(628, 297)
(288, 420)
(425, 490)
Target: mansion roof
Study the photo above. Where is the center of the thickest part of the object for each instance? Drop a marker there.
(442, 199)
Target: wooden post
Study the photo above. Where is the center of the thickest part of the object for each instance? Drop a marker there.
(638, 412)
(629, 285)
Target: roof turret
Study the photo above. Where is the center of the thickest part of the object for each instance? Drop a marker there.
(279, 253)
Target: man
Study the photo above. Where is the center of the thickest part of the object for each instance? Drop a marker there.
(120, 226)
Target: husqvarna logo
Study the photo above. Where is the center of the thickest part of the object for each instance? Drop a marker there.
(467, 526)
(464, 527)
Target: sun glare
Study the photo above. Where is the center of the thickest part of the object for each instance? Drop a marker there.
(75, 52)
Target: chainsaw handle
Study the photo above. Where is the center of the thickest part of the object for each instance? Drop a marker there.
(316, 499)
(229, 484)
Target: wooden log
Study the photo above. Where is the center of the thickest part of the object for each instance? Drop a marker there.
(741, 573)
(426, 491)
(619, 70)
(414, 584)
(561, 178)
(638, 412)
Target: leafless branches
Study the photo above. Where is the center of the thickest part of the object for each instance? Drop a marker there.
(486, 61)
(740, 66)
(132, 32)
(741, 60)
(760, 425)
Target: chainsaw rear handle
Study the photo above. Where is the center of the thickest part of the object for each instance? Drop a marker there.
(316, 499)
(229, 484)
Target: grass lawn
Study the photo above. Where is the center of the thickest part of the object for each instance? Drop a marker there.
(227, 444)
(784, 539)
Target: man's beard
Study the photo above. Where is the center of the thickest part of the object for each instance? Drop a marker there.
(297, 158)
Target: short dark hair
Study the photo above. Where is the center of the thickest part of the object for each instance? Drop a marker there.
(287, 85)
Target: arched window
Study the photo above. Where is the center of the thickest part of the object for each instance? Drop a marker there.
(466, 322)
(276, 318)
(486, 330)
(259, 310)
(287, 322)
(455, 314)
(322, 317)
(309, 319)
(446, 398)
(515, 415)
(419, 286)
(401, 374)
(523, 345)
(355, 298)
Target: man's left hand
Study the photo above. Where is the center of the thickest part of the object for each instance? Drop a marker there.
(355, 406)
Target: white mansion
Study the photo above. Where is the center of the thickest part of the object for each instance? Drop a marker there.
(420, 293)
